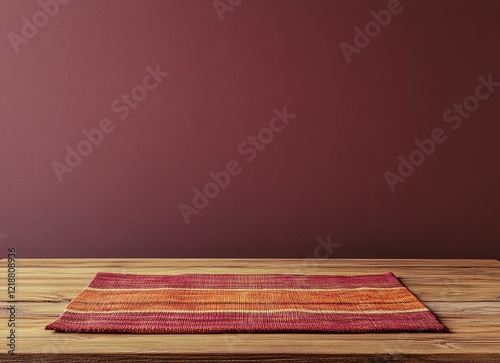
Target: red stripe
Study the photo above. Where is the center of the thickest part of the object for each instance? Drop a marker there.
(249, 322)
(252, 281)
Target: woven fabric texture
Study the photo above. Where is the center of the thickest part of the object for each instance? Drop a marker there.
(225, 303)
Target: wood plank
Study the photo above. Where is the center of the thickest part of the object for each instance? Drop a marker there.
(474, 317)
(257, 358)
(376, 344)
(398, 271)
(464, 324)
(83, 278)
(426, 294)
(32, 289)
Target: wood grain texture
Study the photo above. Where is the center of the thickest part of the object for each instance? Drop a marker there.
(464, 294)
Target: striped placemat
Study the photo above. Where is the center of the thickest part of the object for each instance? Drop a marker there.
(224, 303)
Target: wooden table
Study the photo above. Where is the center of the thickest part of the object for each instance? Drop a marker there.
(464, 294)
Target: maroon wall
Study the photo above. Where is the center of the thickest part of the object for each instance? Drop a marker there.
(348, 105)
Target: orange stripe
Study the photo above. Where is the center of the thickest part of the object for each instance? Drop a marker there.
(173, 289)
(249, 312)
(246, 306)
(168, 298)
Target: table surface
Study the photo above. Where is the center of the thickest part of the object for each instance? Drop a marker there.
(464, 294)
